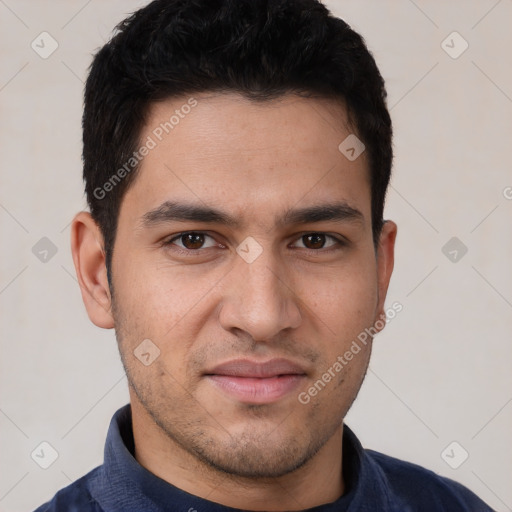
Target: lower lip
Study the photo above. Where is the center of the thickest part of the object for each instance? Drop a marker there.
(254, 390)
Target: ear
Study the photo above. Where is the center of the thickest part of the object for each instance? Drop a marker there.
(89, 258)
(385, 263)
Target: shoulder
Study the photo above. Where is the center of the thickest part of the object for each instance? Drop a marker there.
(424, 489)
(73, 498)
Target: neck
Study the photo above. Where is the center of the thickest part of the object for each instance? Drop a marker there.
(317, 482)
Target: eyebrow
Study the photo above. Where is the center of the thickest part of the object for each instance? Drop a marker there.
(340, 211)
(172, 211)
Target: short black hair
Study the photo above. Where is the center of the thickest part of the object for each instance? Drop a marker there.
(262, 49)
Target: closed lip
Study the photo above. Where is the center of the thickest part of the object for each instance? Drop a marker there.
(256, 382)
(257, 369)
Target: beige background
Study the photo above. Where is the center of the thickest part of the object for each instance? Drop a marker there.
(440, 371)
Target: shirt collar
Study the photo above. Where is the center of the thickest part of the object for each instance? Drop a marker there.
(366, 487)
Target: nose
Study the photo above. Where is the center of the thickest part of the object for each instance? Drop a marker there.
(259, 299)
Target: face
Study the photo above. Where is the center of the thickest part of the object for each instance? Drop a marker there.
(244, 253)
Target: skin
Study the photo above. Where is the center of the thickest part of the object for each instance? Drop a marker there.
(303, 299)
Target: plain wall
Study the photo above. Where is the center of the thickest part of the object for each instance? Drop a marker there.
(440, 371)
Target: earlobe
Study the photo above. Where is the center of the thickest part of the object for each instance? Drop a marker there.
(89, 259)
(385, 264)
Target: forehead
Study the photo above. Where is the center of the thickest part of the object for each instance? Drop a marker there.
(250, 157)
(231, 124)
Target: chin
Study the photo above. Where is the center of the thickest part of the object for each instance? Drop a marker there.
(250, 458)
(247, 451)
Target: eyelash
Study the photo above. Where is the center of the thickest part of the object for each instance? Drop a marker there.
(339, 243)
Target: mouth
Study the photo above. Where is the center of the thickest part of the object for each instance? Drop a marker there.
(253, 382)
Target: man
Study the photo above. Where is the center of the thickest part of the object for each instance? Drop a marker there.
(236, 161)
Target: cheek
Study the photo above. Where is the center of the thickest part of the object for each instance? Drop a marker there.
(345, 299)
(159, 296)
(170, 306)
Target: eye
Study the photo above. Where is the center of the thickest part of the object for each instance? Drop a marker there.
(316, 241)
(192, 241)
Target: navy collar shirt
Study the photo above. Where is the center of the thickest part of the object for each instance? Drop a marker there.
(373, 482)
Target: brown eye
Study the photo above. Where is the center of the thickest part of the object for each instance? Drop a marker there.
(192, 240)
(314, 241)
(192, 243)
(318, 241)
